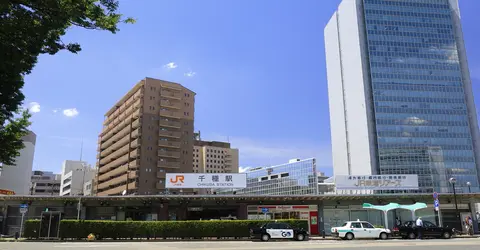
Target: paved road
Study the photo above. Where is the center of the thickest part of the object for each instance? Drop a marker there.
(463, 244)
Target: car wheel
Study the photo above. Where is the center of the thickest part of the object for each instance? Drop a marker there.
(447, 235)
(383, 236)
(300, 237)
(412, 236)
(265, 237)
(349, 236)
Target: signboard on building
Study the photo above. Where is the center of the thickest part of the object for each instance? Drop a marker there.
(6, 192)
(376, 182)
(179, 180)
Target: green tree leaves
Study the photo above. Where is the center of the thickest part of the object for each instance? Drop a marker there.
(29, 28)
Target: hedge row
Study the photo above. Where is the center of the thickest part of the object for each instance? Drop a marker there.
(73, 229)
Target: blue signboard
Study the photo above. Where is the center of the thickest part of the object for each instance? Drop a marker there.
(23, 206)
(435, 195)
(264, 210)
(436, 204)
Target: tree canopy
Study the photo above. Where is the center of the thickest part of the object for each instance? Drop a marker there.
(29, 28)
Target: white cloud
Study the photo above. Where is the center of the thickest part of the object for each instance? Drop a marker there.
(170, 65)
(34, 107)
(243, 169)
(55, 111)
(190, 74)
(70, 112)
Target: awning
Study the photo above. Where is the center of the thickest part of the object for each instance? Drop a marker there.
(391, 206)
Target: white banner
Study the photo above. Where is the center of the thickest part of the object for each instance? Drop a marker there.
(376, 182)
(179, 180)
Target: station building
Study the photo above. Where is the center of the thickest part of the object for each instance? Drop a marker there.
(322, 211)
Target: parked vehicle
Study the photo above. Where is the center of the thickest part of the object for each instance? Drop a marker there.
(278, 230)
(360, 230)
(409, 231)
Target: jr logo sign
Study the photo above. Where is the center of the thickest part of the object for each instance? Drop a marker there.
(178, 181)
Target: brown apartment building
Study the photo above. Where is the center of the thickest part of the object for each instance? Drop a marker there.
(147, 134)
(214, 157)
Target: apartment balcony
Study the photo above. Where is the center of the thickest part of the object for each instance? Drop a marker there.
(169, 144)
(171, 86)
(116, 146)
(107, 167)
(131, 187)
(161, 175)
(110, 155)
(136, 133)
(172, 134)
(168, 154)
(111, 130)
(170, 104)
(130, 104)
(134, 154)
(170, 124)
(115, 137)
(171, 114)
(117, 180)
(169, 164)
(115, 171)
(135, 164)
(135, 143)
(171, 94)
(136, 124)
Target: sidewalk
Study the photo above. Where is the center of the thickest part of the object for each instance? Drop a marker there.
(315, 238)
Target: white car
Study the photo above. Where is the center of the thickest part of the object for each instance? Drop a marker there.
(360, 230)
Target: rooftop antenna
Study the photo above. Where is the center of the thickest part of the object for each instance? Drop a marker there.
(81, 150)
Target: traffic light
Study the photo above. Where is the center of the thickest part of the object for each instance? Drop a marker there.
(46, 209)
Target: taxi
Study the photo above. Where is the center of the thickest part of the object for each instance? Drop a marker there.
(360, 230)
(278, 230)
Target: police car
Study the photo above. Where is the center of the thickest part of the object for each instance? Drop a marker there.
(278, 230)
(360, 229)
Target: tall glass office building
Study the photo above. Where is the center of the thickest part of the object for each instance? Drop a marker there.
(400, 92)
(297, 177)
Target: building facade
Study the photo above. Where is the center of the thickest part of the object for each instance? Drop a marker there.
(45, 183)
(400, 93)
(17, 178)
(297, 177)
(74, 176)
(214, 157)
(148, 133)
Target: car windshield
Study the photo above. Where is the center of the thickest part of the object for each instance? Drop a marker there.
(345, 224)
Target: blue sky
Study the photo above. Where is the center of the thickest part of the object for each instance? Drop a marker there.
(258, 69)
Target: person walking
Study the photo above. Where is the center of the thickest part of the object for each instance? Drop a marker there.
(469, 225)
(398, 222)
(419, 225)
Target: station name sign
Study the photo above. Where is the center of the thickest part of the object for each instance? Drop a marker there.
(179, 180)
(376, 182)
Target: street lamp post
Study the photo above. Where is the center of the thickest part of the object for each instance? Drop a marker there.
(452, 181)
(79, 205)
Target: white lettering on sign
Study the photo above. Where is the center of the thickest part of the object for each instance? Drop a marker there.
(180, 180)
(376, 182)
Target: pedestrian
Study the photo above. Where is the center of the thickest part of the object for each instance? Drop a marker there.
(469, 225)
(419, 224)
(398, 222)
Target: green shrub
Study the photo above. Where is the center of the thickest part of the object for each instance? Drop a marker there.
(30, 229)
(73, 229)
